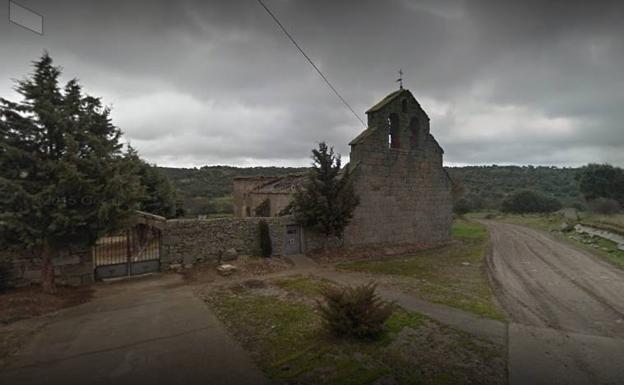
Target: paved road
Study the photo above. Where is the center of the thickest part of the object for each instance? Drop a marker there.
(566, 309)
(145, 331)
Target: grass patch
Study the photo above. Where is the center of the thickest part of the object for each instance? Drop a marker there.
(284, 334)
(302, 285)
(613, 223)
(452, 275)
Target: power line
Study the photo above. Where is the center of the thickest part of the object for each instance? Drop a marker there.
(343, 100)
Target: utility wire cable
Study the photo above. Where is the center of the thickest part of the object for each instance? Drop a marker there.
(343, 100)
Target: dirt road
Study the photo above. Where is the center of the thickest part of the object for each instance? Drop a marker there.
(546, 283)
(566, 309)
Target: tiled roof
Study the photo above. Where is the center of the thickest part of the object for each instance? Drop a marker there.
(285, 184)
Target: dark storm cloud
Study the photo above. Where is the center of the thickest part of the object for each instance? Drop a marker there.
(195, 83)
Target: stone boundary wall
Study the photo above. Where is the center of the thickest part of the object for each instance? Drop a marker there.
(189, 241)
(72, 267)
(184, 242)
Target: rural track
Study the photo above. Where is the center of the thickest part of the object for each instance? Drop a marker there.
(546, 283)
(565, 307)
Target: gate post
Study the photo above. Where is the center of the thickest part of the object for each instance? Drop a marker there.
(128, 252)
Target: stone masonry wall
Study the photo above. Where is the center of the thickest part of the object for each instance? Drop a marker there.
(184, 241)
(405, 194)
(188, 241)
(71, 267)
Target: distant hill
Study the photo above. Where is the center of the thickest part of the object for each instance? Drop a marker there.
(208, 190)
(486, 186)
(216, 181)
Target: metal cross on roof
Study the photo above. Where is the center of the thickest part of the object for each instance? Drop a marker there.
(400, 79)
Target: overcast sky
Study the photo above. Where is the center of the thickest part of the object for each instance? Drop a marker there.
(195, 83)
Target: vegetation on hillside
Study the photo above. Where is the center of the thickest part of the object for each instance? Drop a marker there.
(208, 189)
(483, 187)
(527, 201)
(602, 186)
(486, 187)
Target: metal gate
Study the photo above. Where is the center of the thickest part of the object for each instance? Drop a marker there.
(132, 251)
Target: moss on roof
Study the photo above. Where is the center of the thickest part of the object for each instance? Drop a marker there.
(363, 135)
(390, 97)
(285, 184)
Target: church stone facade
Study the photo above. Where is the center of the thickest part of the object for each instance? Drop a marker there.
(405, 193)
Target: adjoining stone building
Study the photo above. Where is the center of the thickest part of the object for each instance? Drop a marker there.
(405, 193)
(263, 196)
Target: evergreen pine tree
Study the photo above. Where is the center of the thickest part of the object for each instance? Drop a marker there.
(327, 201)
(64, 177)
(158, 196)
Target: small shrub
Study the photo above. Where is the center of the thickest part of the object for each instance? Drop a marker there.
(354, 311)
(527, 201)
(605, 206)
(461, 206)
(266, 248)
(6, 273)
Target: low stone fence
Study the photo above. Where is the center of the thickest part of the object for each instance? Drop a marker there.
(71, 267)
(189, 241)
(184, 242)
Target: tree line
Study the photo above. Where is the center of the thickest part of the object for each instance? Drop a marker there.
(595, 187)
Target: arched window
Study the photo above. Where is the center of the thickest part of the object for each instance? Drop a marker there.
(404, 105)
(393, 131)
(414, 128)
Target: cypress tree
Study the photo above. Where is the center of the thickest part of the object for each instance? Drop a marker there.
(327, 201)
(64, 178)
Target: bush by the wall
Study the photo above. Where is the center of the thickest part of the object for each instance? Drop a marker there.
(266, 248)
(6, 270)
(461, 206)
(354, 311)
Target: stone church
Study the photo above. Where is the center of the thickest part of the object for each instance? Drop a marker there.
(405, 193)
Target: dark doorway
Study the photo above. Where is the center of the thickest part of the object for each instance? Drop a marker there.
(293, 240)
